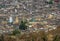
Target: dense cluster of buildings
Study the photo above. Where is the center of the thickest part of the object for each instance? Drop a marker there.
(41, 13)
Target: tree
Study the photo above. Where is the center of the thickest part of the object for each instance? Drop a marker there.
(2, 37)
(51, 2)
(15, 32)
(56, 38)
(23, 25)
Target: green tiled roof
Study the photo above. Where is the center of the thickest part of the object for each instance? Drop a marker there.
(32, 20)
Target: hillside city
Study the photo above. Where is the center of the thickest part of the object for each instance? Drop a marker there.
(29, 17)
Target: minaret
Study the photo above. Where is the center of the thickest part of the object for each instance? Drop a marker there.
(10, 19)
(17, 20)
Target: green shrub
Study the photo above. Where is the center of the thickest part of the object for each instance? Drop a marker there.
(15, 32)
